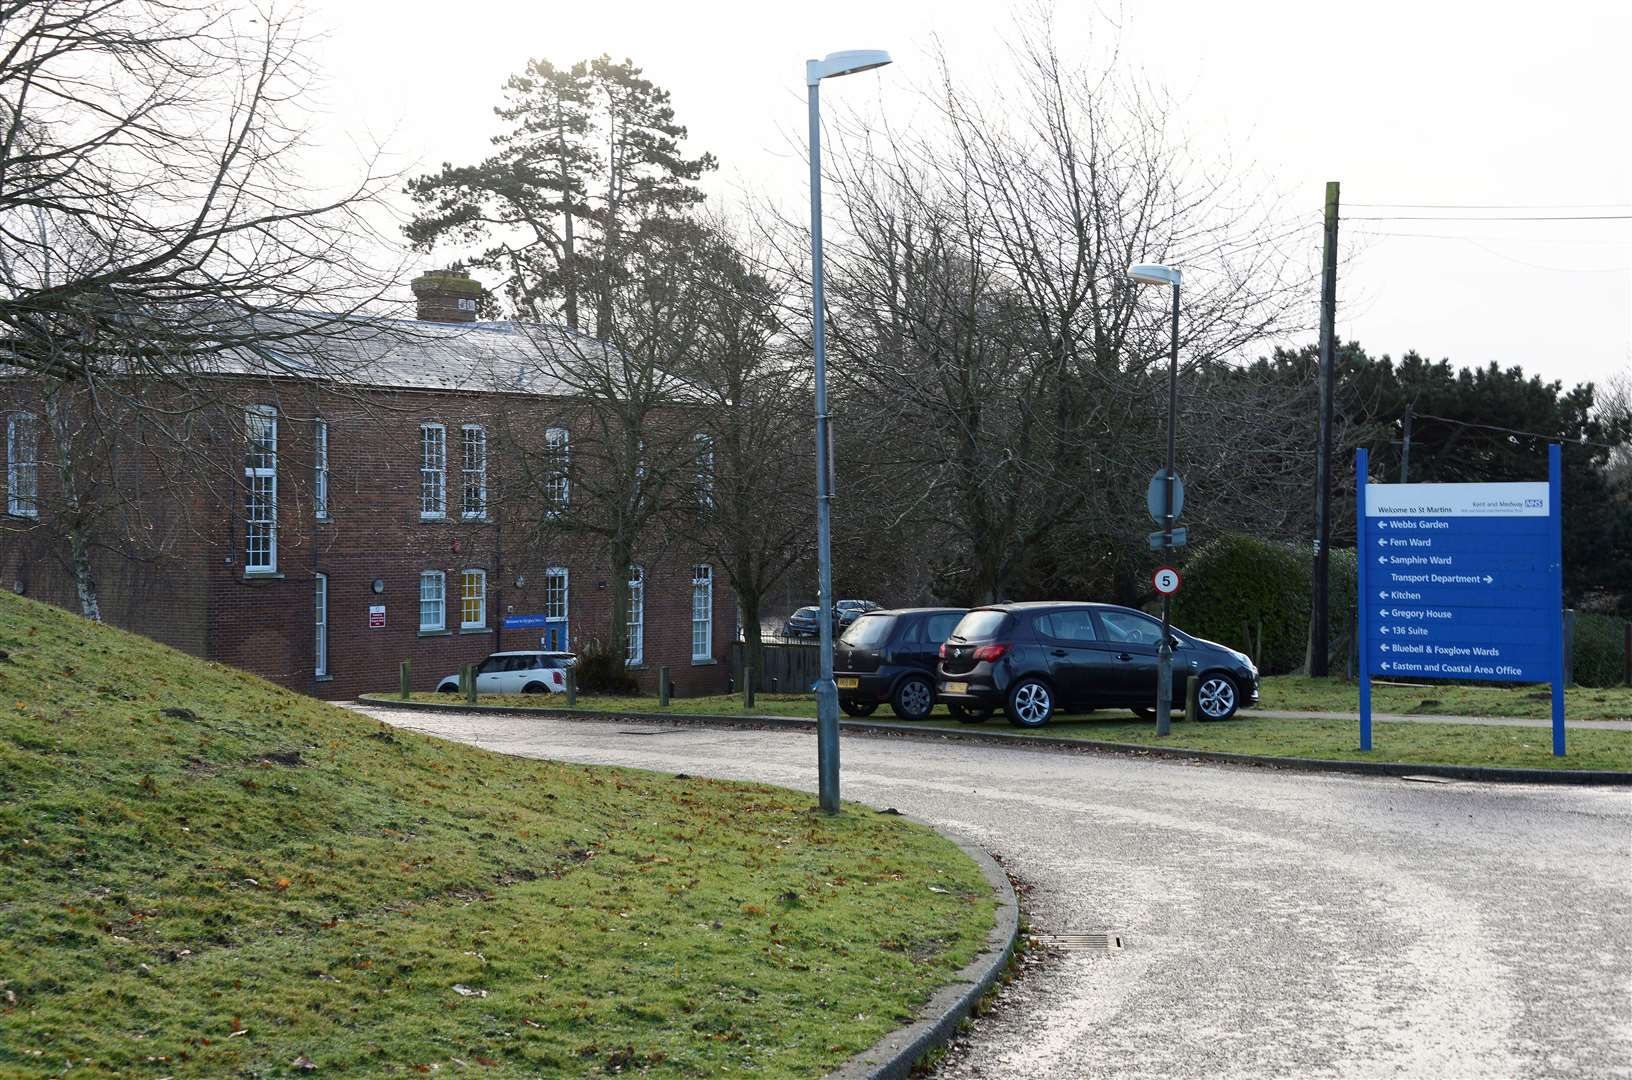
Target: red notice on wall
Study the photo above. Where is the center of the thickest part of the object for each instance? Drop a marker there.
(376, 616)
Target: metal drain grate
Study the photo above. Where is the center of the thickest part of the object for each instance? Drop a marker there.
(1081, 942)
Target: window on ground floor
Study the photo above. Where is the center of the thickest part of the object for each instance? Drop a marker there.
(473, 599)
(432, 601)
(702, 612)
(636, 651)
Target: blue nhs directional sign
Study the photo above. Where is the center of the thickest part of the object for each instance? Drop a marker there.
(1461, 581)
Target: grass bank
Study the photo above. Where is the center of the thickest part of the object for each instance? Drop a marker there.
(1249, 733)
(203, 875)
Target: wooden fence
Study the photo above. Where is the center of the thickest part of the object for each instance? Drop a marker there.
(788, 669)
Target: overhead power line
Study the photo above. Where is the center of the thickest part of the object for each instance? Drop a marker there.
(1502, 217)
(1492, 206)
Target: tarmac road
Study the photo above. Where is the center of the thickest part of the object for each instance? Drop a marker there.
(1274, 924)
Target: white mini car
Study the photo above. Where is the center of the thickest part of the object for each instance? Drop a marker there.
(517, 673)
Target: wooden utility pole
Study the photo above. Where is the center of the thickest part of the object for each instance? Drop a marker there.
(1405, 447)
(1319, 645)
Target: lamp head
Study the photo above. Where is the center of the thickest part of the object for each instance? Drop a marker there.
(1154, 274)
(847, 62)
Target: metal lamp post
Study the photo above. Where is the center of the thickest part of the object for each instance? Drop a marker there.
(1155, 274)
(827, 694)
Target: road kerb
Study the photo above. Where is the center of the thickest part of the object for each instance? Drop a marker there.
(894, 1055)
(1485, 773)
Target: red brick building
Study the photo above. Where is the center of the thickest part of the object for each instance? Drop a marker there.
(370, 526)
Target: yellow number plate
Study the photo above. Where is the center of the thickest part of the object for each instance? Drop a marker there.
(955, 688)
(848, 684)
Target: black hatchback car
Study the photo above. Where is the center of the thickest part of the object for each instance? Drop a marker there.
(889, 656)
(1035, 659)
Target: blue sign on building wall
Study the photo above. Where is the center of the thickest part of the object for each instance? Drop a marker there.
(1461, 581)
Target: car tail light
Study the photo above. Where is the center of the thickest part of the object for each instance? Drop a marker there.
(943, 650)
(990, 652)
(555, 677)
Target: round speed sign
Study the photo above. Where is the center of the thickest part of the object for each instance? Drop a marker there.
(1166, 579)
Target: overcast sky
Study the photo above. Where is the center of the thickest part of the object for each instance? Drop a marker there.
(1522, 108)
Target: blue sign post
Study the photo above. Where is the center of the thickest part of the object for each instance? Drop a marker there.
(1461, 581)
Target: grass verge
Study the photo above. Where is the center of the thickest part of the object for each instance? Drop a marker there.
(203, 875)
(1249, 733)
(1445, 699)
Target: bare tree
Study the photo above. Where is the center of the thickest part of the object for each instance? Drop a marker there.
(751, 498)
(982, 311)
(629, 453)
(155, 236)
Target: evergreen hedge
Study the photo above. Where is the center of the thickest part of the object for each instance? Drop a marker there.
(1600, 643)
(1265, 583)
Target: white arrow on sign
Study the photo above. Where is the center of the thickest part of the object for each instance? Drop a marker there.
(1383, 612)
(1382, 559)
(1383, 647)
(1384, 665)
(1383, 595)
(1381, 542)
(1489, 579)
(1386, 630)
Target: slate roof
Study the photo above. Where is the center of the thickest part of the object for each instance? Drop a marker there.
(482, 357)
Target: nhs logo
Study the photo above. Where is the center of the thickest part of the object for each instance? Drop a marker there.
(1532, 504)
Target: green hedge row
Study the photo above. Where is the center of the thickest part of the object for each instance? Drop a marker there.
(1264, 584)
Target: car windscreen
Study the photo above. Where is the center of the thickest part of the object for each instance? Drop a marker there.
(869, 631)
(979, 625)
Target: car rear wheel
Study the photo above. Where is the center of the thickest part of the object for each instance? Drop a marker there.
(1217, 698)
(535, 688)
(1031, 703)
(857, 708)
(913, 699)
(970, 714)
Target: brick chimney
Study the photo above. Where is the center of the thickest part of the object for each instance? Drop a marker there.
(446, 296)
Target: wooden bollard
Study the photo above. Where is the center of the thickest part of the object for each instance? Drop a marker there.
(467, 675)
(747, 688)
(1191, 687)
(404, 675)
(572, 688)
(662, 687)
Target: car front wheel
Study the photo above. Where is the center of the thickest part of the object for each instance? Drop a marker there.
(913, 699)
(857, 708)
(1216, 698)
(448, 688)
(1031, 703)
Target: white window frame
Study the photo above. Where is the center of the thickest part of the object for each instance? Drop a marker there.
(702, 613)
(480, 577)
(23, 465)
(551, 574)
(261, 479)
(320, 469)
(635, 619)
(473, 472)
(433, 477)
(320, 647)
(558, 487)
(440, 580)
(705, 471)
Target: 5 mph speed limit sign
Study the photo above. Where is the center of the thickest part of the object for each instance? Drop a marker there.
(1166, 579)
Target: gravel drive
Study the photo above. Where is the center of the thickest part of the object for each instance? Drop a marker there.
(1275, 924)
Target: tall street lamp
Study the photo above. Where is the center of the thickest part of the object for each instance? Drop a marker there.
(827, 694)
(1155, 274)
